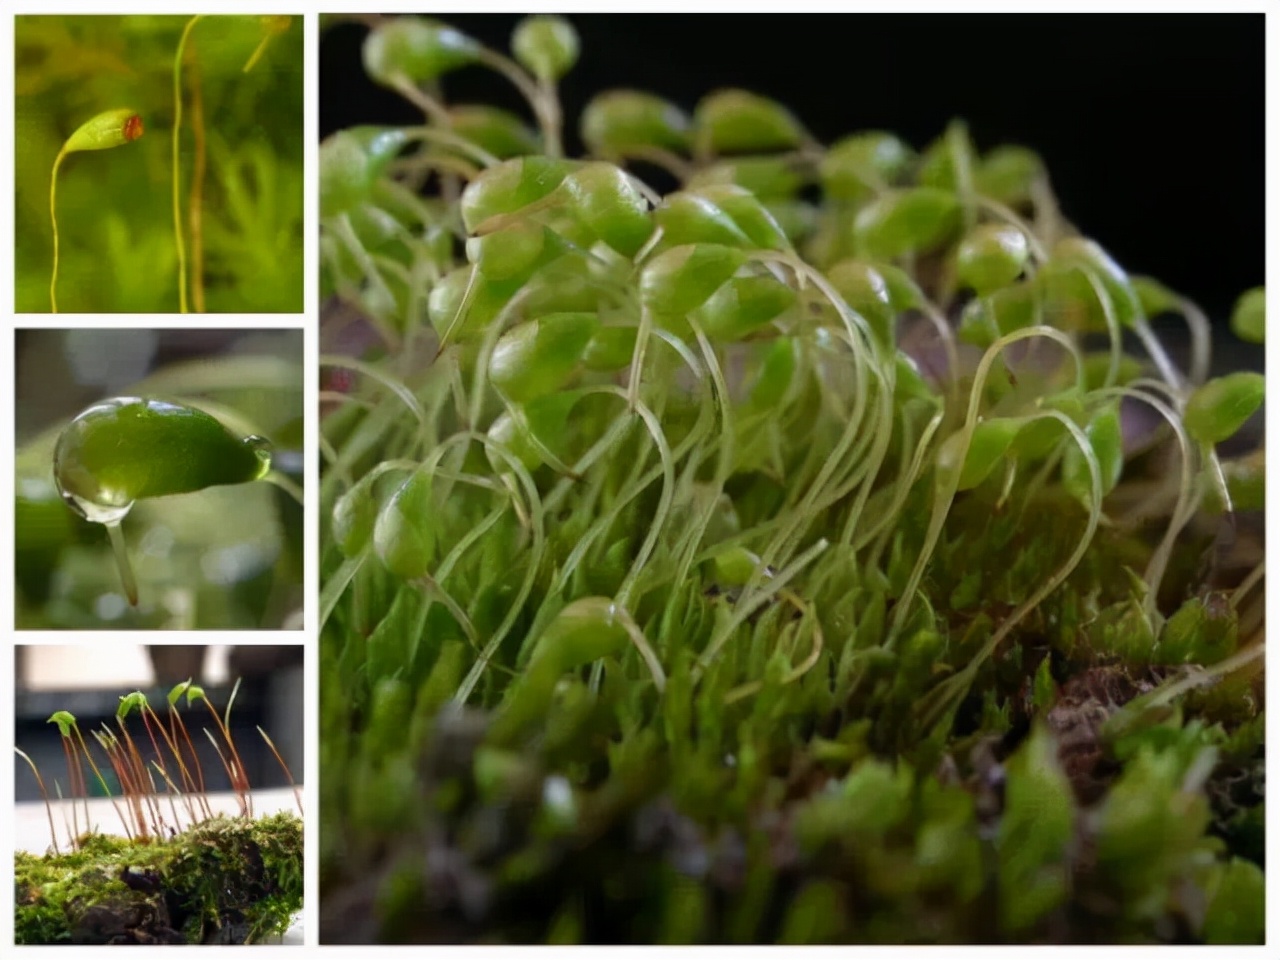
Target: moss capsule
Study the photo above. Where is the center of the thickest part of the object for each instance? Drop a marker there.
(128, 448)
(546, 46)
(737, 121)
(1220, 408)
(417, 49)
(619, 123)
(907, 221)
(991, 256)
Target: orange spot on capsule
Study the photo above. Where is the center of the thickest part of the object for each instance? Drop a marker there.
(132, 128)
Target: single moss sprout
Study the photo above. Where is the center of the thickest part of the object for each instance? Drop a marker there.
(111, 128)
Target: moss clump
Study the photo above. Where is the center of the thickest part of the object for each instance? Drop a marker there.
(225, 880)
(800, 556)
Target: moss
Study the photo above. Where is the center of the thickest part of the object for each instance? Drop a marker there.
(914, 660)
(226, 880)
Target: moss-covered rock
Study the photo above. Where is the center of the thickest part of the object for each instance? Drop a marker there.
(226, 880)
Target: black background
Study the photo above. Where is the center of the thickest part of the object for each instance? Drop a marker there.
(1152, 125)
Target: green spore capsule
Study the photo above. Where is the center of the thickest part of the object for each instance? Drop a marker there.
(626, 122)
(547, 46)
(736, 121)
(417, 49)
(126, 449)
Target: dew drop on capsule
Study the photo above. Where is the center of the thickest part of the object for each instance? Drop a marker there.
(128, 448)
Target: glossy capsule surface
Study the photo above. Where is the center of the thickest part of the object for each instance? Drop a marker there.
(129, 448)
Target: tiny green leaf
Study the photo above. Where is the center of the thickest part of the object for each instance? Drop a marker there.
(511, 186)
(494, 130)
(176, 693)
(1009, 174)
(354, 515)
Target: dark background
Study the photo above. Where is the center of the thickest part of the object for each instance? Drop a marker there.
(1152, 125)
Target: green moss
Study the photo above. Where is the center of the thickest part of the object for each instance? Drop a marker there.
(885, 684)
(226, 880)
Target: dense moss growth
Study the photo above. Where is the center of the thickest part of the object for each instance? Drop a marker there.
(826, 551)
(226, 880)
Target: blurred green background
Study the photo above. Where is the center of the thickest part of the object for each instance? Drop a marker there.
(225, 557)
(115, 217)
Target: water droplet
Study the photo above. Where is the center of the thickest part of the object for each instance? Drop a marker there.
(97, 512)
(261, 448)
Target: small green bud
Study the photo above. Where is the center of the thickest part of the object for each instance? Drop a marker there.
(777, 373)
(991, 256)
(1081, 252)
(617, 123)
(1008, 174)
(607, 202)
(511, 253)
(354, 515)
(991, 440)
(742, 306)
(768, 178)
(736, 121)
(865, 289)
(1105, 439)
(540, 356)
(403, 535)
(907, 221)
(127, 448)
(447, 297)
(748, 214)
(111, 128)
(511, 186)
(735, 566)
(351, 161)
(942, 163)
(682, 279)
(859, 165)
(687, 218)
(416, 49)
(547, 46)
